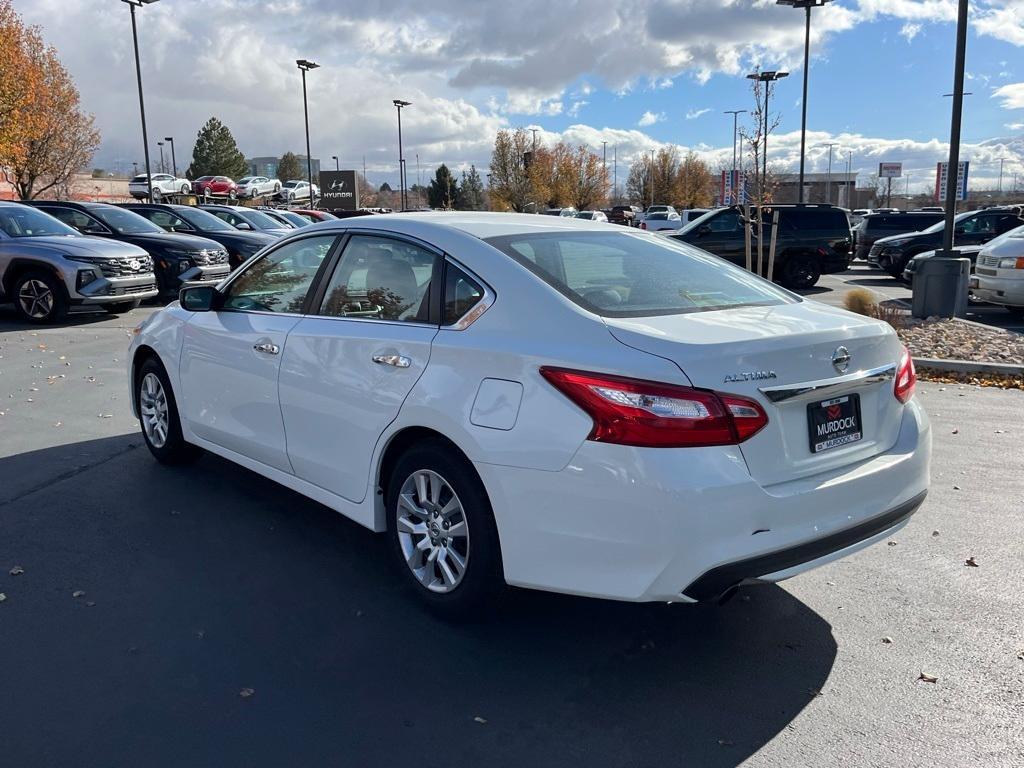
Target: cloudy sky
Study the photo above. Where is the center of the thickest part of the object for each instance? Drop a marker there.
(634, 73)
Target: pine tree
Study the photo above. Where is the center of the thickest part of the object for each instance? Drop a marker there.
(443, 188)
(289, 167)
(216, 154)
(471, 191)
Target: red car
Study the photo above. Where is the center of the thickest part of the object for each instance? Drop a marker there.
(314, 215)
(211, 186)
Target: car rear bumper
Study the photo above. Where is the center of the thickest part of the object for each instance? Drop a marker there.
(649, 524)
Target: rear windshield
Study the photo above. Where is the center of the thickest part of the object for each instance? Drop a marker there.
(632, 275)
(905, 223)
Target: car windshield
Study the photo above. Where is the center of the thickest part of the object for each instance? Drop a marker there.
(697, 222)
(22, 221)
(203, 220)
(125, 222)
(292, 184)
(633, 275)
(246, 179)
(260, 220)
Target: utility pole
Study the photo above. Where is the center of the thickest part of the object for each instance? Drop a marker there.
(615, 174)
(1000, 188)
(828, 175)
(174, 160)
(953, 176)
(651, 180)
(401, 160)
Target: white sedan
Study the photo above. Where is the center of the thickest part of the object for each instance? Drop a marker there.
(592, 216)
(551, 404)
(296, 189)
(255, 186)
(164, 185)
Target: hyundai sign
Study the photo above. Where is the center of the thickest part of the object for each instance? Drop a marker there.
(339, 190)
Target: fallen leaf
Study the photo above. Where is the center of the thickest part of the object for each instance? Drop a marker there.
(724, 743)
(78, 593)
(246, 693)
(956, 432)
(479, 719)
(892, 543)
(970, 561)
(935, 533)
(887, 640)
(956, 487)
(89, 603)
(926, 678)
(17, 570)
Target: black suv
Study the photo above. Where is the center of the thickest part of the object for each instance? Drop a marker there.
(177, 258)
(892, 254)
(186, 218)
(874, 226)
(812, 240)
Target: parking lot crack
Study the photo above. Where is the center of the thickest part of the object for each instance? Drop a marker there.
(49, 482)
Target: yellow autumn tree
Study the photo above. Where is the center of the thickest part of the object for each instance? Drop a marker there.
(46, 137)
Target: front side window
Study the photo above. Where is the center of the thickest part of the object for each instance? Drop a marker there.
(630, 275)
(167, 221)
(979, 225)
(379, 278)
(76, 219)
(23, 221)
(125, 222)
(280, 280)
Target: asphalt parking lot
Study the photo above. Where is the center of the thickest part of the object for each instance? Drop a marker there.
(205, 616)
(831, 289)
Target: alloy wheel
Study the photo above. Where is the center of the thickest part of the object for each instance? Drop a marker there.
(153, 409)
(433, 531)
(35, 299)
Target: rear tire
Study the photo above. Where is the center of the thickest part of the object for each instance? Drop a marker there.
(446, 544)
(158, 415)
(799, 273)
(39, 297)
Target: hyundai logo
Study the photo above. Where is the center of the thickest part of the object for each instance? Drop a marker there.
(841, 359)
(134, 265)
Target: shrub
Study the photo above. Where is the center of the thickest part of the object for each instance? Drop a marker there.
(862, 301)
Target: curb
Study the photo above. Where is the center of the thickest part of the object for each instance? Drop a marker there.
(968, 366)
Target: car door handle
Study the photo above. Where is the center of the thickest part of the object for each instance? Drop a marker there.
(399, 361)
(267, 348)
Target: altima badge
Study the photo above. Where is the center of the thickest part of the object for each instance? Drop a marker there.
(750, 376)
(841, 359)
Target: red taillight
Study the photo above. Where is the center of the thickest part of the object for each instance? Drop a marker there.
(643, 225)
(654, 415)
(906, 378)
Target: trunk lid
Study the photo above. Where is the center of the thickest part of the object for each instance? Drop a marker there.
(770, 354)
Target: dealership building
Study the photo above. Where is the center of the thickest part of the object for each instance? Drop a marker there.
(267, 166)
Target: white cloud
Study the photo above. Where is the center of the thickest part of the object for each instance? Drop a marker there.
(910, 30)
(1012, 95)
(650, 118)
(694, 113)
(1014, 126)
(574, 110)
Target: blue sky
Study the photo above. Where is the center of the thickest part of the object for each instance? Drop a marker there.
(583, 71)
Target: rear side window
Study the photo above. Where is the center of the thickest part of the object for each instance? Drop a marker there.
(461, 293)
(628, 275)
(807, 219)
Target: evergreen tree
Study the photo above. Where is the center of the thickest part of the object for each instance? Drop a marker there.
(471, 191)
(443, 189)
(289, 167)
(216, 154)
(385, 187)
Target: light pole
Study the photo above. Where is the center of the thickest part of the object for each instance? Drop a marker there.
(305, 66)
(161, 145)
(142, 104)
(337, 167)
(652, 177)
(174, 160)
(807, 5)
(615, 173)
(401, 160)
(735, 132)
(953, 175)
(534, 132)
(767, 78)
(828, 175)
(1000, 187)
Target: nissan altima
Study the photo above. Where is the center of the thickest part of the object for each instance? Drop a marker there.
(543, 402)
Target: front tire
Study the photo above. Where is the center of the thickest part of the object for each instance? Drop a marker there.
(441, 530)
(185, 189)
(158, 415)
(39, 297)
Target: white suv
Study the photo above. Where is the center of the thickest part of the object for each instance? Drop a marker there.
(999, 272)
(164, 185)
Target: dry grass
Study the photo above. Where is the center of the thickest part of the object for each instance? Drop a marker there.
(864, 302)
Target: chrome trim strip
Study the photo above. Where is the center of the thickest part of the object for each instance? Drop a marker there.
(824, 386)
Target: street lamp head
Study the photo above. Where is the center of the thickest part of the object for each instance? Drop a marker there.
(306, 65)
(768, 76)
(168, 138)
(399, 103)
(139, 3)
(802, 3)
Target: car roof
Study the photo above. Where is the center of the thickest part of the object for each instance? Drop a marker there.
(481, 225)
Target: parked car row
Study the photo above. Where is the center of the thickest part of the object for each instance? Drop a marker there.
(166, 185)
(58, 254)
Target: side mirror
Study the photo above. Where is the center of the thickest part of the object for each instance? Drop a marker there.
(703, 229)
(198, 298)
(244, 226)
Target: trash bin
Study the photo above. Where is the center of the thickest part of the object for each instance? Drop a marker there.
(940, 287)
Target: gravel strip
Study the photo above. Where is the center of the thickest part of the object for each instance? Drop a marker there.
(958, 340)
